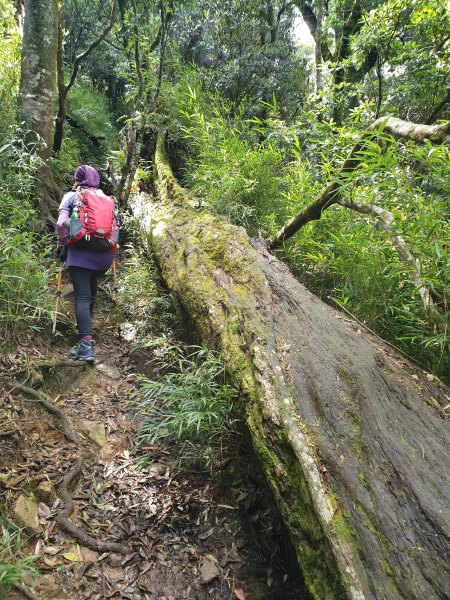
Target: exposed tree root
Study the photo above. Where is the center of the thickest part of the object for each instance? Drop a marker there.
(25, 591)
(70, 479)
(41, 398)
(63, 518)
(90, 542)
(58, 362)
(33, 369)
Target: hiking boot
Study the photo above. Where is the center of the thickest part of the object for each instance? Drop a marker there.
(84, 350)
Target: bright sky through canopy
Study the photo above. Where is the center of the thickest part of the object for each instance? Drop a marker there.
(302, 35)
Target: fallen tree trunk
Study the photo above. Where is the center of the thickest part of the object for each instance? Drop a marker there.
(350, 436)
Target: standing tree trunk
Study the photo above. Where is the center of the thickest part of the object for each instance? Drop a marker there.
(318, 47)
(313, 14)
(38, 70)
(37, 92)
(350, 436)
(19, 6)
(62, 94)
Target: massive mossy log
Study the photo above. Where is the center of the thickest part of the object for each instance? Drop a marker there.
(351, 437)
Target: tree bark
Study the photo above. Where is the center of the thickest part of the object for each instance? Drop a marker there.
(37, 93)
(350, 436)
(38, 70)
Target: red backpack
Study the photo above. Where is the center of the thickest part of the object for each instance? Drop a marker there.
(93, 222)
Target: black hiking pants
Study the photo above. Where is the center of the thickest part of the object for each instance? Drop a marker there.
(85, 289)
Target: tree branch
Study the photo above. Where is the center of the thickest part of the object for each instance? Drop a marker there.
(439, 108)
(416, 132)
(81, 57)
(398, 129)
(332, 195)
(313, 211)
(63, 90)
(386, 218)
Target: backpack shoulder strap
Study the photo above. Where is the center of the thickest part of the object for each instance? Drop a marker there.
(71, 202)
(79, 195)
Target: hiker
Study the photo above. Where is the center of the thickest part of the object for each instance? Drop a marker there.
(86, 256)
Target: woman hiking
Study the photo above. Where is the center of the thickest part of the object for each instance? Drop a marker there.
(90, 248)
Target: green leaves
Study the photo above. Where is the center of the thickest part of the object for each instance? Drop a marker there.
(25, 300)
(411, 39)
(14, 564)
(230, 170)
(191, 408)
(10, 42)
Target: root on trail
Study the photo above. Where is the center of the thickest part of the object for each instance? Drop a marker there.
(63, 518)
(34, 368)
(44, 401)
(70, 478)
(56, 362)
(25, 591)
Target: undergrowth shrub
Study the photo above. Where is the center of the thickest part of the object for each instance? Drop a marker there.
(14, 564)
(65, 162)
(92, 111)
(143, 299)
(230, 171)
(10, 43)
(24, 278)
(89, 116)
(190, 409)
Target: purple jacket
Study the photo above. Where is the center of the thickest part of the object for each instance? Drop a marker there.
(76, 257)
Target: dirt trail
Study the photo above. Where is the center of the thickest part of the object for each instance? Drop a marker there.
(191, 535)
